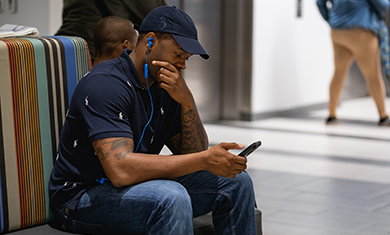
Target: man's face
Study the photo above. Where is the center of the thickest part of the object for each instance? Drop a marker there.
(167, 50)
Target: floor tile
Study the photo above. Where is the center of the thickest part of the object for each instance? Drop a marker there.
(284, 180)
(356, 214)
(385, 209)
(322, 232)
(273, 192)
(332, 225)
(284, 205)
(345, 187)
(376, 229)
(385, 196)
(338, 201)
(283, 229)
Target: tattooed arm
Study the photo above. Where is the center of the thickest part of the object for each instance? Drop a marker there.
(193, 137)
(124, 167)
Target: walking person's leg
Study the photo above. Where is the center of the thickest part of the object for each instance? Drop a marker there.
(367, 53)
(342, 64)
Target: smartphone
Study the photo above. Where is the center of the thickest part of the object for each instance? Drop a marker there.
(248, 150)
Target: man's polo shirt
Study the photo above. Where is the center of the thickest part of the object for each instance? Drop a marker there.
(109, 101)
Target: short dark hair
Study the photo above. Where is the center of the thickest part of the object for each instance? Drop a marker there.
(159, 35)
(110, 31)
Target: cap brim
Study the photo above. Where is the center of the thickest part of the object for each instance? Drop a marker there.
(191, 46)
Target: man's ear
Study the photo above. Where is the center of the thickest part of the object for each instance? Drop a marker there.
(125, 44)
(149, 36)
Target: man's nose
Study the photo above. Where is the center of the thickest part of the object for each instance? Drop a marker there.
(181, 65)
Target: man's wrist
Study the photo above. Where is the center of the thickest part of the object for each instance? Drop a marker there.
(188, 104)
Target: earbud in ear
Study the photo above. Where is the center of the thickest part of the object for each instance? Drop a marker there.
(146, 68)
(150, 42)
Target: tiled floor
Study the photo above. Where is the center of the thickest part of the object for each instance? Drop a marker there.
(313, 179)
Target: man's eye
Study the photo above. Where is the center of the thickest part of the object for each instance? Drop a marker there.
(179, 55)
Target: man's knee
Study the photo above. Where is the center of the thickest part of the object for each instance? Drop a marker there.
(244, 187)
(170, 195)
(175, 194)
(244, 180)
(161, 194)
(172, 206)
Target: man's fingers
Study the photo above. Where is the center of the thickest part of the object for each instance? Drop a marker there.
(163, 64)
(162, 77)
(241, 160)
(228, 146)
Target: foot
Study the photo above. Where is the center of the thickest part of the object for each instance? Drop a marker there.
(332, 121)
(384, 121)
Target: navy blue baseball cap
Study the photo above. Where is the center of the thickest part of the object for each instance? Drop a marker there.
(169, 19)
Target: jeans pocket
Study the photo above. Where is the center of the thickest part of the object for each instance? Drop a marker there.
(88, 228)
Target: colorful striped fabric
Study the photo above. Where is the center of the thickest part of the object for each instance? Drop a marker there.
(37, 79)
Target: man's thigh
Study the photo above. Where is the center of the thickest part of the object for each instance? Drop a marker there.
(134, 209)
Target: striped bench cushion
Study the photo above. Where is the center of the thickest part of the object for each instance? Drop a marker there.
(37, 79)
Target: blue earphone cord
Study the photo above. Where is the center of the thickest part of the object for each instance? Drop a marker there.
(150, 95)
(102, 180)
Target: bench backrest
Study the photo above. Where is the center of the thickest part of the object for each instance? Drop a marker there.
(37, 79)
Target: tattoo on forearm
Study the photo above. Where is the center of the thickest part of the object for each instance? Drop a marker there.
(174, 144)
(193, 138)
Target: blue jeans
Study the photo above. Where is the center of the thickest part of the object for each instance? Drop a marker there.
(166, 206)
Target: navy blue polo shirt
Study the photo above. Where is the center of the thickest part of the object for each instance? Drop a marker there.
(109, 101)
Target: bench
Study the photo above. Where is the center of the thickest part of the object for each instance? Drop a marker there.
(37, 79)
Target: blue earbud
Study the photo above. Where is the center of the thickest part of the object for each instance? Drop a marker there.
(146, 67)
(150, 42)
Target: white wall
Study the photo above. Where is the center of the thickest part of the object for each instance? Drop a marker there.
(55, 16)
(292, 57)
(45, 15)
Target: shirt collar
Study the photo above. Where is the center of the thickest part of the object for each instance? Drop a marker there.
(131, 72)
(129, 68)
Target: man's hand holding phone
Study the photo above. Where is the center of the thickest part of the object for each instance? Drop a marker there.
(223, 163)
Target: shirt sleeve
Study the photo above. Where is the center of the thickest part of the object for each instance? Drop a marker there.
(104, 105)
(323, 9)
